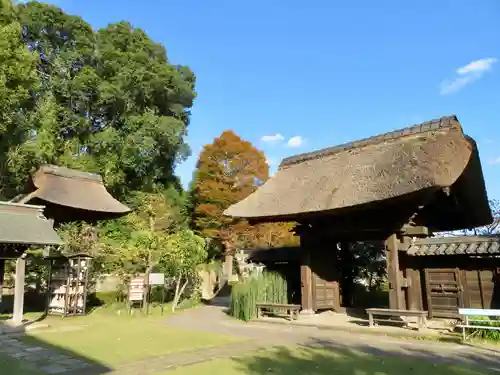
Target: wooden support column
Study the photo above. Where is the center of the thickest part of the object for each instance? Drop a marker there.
(413, 292)
(19, 290)
(306, 281)
(396, 297)
(2, 275)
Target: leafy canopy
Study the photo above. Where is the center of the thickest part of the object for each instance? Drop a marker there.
(228, 170)
(106, 101)
(18, 81)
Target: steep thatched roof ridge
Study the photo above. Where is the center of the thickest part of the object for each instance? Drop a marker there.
(441, 123)
(432, 155)
(69, 173)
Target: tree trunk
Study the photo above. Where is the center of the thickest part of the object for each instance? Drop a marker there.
(149, 268)
(178, 291)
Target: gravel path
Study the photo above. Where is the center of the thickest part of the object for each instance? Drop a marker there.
(213, 319)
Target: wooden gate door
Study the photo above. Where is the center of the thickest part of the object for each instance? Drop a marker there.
(325, 283)
(444, 292)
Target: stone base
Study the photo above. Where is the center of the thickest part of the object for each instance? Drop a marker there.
(11, 327)
(307, 312)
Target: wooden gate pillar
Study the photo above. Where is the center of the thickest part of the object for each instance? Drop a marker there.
(306, 276)
(396, 298)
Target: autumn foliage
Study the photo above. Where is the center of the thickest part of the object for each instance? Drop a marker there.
(228, 170)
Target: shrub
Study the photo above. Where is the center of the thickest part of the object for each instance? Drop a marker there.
(267, 287)
(105, 298)
(364, 298)
(485, 334)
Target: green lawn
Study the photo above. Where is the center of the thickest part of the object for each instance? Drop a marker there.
(14, 367)
(295, 361)
(111, 339)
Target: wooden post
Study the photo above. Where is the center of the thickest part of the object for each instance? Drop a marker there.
(228, 266)
(414, 292)
(306, 282)
(2, 272)
(19, 290)
(396, 298)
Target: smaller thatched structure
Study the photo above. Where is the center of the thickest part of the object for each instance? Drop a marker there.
(80, 192)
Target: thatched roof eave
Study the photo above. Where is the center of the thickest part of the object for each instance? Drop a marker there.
(424, 157)
(76, 190)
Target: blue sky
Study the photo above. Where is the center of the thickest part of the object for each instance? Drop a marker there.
(314, 74)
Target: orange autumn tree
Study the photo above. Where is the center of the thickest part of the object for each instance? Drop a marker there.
(228, 170)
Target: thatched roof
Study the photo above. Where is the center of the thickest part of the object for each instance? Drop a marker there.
(74, 189)
(432, 155)
(25, 224)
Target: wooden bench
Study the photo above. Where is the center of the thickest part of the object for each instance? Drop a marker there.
(467, 322)
(291, 311)
(421, 315)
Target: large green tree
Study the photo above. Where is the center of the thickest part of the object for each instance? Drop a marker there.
(109, 101)
(18, 82)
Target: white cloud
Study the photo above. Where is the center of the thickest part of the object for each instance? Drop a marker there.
(272, 138)
(467, 74)
(482, 65)
(296, 141)
(270, 161)
(495, 161)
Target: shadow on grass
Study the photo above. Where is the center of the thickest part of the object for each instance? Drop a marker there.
(322, 357)
(23, 354)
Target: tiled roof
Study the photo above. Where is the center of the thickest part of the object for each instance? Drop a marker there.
(25, 224)
(455, 245)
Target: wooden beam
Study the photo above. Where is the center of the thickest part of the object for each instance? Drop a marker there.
(27, 197)
(405, 243)
(415, 231)
(396, 298)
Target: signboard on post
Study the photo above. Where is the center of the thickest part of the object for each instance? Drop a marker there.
(156, 279)
(136, 291)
